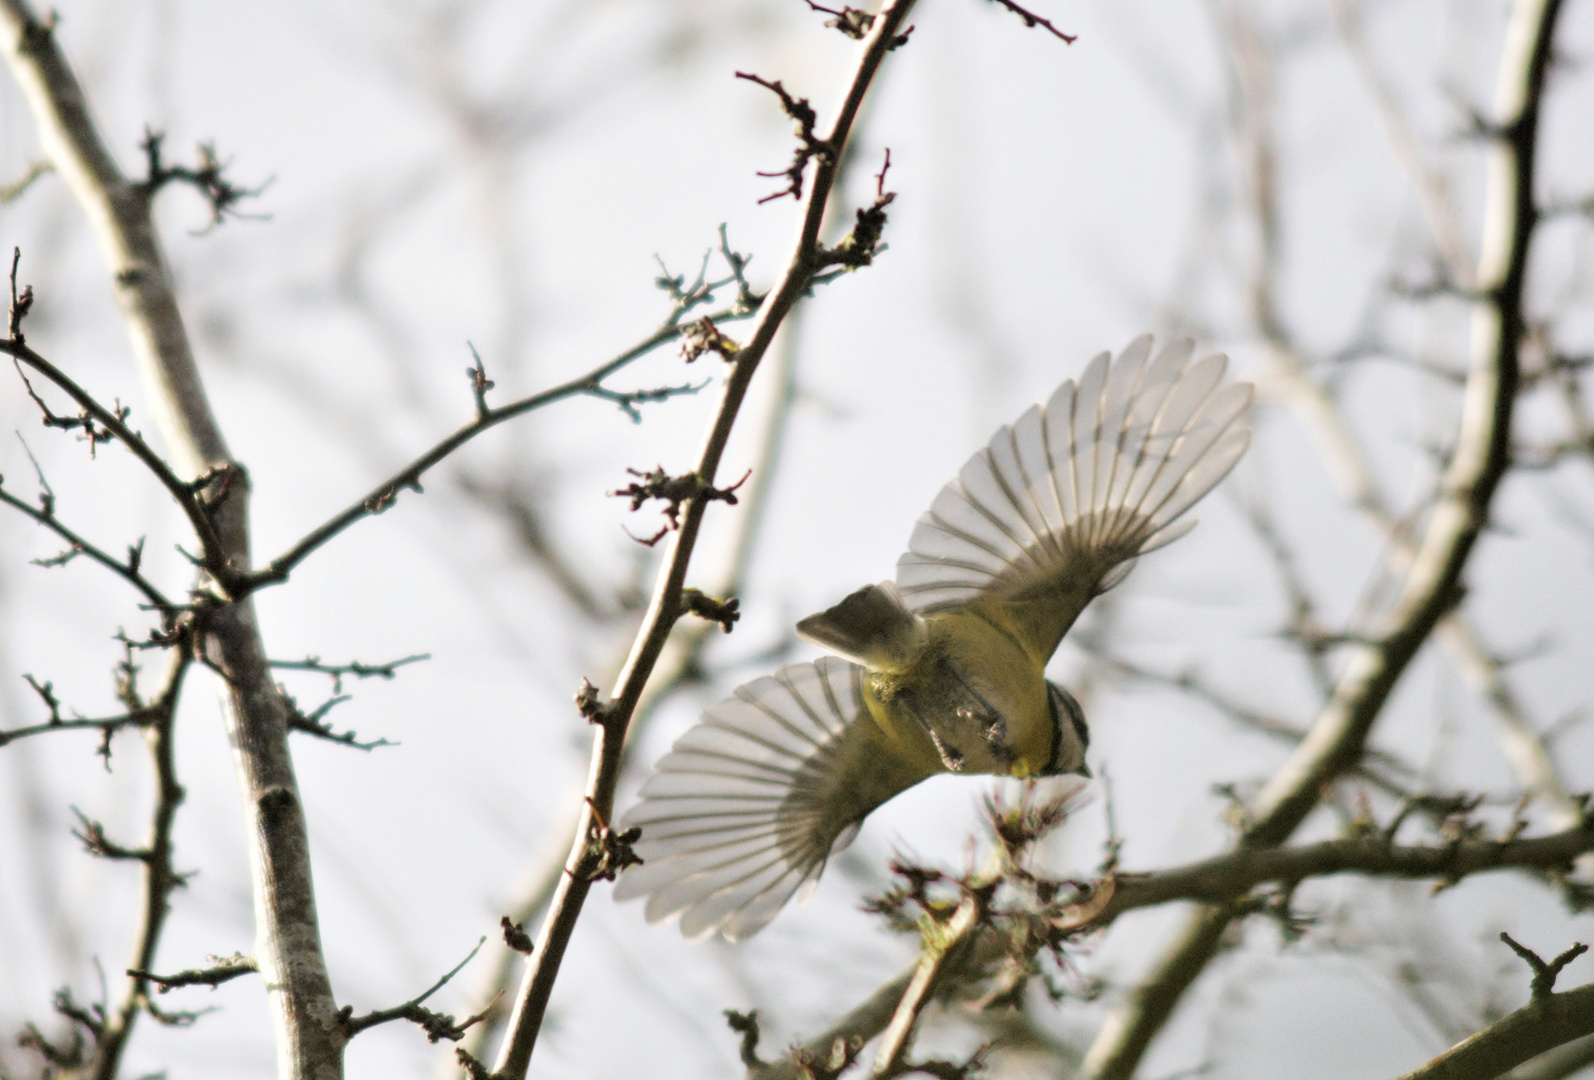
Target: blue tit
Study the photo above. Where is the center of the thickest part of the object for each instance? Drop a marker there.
(942, 670)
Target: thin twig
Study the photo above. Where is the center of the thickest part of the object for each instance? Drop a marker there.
(161, 878)
(384, 494)
(1033, 20)
(185, 494)
(437, 1026)
(221, 971)
(128, 571)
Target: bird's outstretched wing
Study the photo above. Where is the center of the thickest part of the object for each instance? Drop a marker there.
(1056, 507)
(753, 799)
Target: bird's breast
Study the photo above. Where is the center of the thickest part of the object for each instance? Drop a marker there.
(974, 701)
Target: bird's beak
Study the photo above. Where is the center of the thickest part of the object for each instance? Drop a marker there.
(1084, 770)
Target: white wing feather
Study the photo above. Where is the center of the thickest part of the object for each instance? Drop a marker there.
(1103, 471)
(743, 810)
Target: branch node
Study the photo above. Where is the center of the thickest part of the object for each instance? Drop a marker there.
(479, 382)
(515, 936)
(1544, 972)
(724, 612)
(589, 705)
(702, 337)
(809, 145)
(746, 1025)
(675, 492)
(607, 852)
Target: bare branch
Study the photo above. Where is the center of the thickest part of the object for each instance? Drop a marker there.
(409, 478)
(1429, 591)
(1543, 1024)
(309, 1040)
(128, 571)
(1236, 873)
(354, 668)
(313, 723)
(665, 606)
(938, 941)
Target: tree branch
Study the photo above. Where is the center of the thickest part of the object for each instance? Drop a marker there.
(939, 941)
(408, 479)
(1542, 1024)
(288, 947)
(679, 663)
(436, 1025)
(224, 969)
(161, 878)
(665, 606)
(127, 571)
(1235, 873)
(186, 494)
(1431, 587)
(1224, 881)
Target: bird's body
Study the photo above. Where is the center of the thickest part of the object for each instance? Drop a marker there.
(970, 698)
(945, 667)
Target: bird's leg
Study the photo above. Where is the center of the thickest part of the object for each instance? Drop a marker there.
(950, 757)
(993, 726)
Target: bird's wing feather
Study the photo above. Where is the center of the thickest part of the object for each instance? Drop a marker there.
(753, 799)
(1059, 504)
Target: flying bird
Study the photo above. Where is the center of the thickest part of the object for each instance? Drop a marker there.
(942, 670)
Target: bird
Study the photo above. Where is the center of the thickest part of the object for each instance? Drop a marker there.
(943, 669)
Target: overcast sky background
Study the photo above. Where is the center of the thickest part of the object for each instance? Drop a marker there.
(1053, 201)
